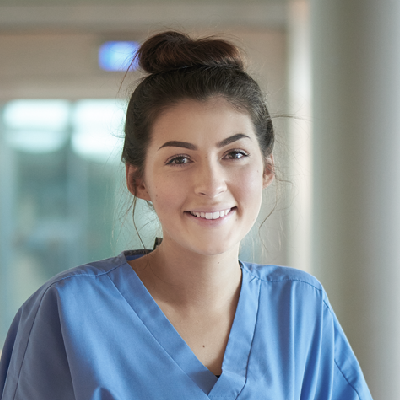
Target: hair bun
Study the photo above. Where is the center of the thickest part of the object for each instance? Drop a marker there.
(172, 50)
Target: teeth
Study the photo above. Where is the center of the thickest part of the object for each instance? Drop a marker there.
(210, 215)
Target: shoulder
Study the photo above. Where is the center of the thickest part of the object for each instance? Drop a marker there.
(296, 302)
(68, 287)
(91, 273)
(55, 309)
(285, 292)
(92, 270)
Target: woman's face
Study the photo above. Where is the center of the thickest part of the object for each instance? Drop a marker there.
(204, 174)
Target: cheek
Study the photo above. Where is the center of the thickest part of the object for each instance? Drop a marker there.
(251, 182)
(165, 195)
(251, 188)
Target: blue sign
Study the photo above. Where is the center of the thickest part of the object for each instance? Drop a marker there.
(117, 56)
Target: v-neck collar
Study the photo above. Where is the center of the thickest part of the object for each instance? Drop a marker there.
(237, 352)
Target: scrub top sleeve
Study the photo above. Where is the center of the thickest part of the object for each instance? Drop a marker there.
(35, 364)
(348, 381)
(8, 351)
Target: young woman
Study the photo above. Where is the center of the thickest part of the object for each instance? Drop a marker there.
(187, 320)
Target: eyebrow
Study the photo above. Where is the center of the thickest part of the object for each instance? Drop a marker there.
(191, 146)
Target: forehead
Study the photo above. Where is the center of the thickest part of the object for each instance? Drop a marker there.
(192, 119)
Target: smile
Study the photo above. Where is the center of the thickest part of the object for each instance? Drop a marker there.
(210, 215)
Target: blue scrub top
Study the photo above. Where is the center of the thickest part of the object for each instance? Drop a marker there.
(95, 333)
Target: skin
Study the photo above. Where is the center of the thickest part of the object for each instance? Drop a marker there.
(203, 157)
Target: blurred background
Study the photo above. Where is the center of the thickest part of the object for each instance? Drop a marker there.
(331, 74)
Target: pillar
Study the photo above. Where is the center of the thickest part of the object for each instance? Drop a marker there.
(355, 239)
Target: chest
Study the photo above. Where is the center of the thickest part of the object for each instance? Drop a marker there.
(125, 343)
(206, 335)
(153, 362)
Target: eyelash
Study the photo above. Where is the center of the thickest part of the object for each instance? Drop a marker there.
(172, 160)
(177, 157)
(238, 151)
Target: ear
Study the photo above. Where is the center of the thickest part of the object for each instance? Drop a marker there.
(135, 184)
(269, 171)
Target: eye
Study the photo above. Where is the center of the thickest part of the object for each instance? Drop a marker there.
(236, 154)
(178, 160)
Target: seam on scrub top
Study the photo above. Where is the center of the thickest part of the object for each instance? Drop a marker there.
(344, 376)
(252, 339)
(151, 334)
(38, 308)
(284, 280)
(102, 273)
(28, 340)
(251, 345)
(334, 359)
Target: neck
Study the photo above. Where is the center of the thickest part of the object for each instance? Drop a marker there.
(190, 281)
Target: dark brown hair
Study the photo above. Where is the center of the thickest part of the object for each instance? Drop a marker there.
(180, 68)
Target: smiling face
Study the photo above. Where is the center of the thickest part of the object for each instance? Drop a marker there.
(204, 173)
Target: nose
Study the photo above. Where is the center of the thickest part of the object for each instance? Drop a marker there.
(210, 180)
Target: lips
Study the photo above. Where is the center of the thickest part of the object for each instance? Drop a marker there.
(211, 214)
